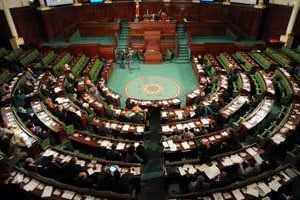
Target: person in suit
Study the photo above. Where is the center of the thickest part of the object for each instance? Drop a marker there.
(70, 170)
(188, 134)
(131, 156)
(113, 154)
(30, 165)
(83, 180)
(54, 169)
(4, 89)
(121, 184)
(200, 184)
(249, 168)
(102, 179)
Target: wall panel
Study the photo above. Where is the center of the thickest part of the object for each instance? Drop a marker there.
(26, 21)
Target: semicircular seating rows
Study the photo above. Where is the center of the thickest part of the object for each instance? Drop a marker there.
(236, 137)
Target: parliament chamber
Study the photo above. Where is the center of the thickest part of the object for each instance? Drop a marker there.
(150, 99)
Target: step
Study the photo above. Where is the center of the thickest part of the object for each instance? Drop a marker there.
(180, 62)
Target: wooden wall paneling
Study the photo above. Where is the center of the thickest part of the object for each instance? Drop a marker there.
(85, 13)
(5, 34)
(106, 51)
(277, 20)
(296, 32)
(247, 18)
(87, 49)
(214, 49)
(26, 21)
(124, 10)
(102, 12)
(57, 19)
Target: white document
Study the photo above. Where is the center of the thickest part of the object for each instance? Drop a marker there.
(90, 171)
(218, 196)
(185, 145)
(140, 129)
(236, 158)
(238, 195)
(120, 146)
(264, 189)
(252, 190)
(47, 192)
(212, 171)
(274, 185)
(227, 161)
(181, 171)
(68, 194)
(125, 127)
(258, 159)
(89, 197)
(18, 178)
(31, 185)
(77, 197)
(251, 151)
(165, 144)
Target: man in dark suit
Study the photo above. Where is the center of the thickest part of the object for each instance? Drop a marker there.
(70, 170)
(113, 154)
(102, 179)
(83, 180)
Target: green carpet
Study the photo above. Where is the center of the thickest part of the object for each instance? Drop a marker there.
(155, 81)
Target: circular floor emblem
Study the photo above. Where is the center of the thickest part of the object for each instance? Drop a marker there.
(152, 88)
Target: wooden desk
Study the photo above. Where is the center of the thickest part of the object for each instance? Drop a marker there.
(153, 36)
(165, 28)
(153, 57)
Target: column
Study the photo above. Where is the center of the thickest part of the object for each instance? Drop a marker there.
(107, 1)
(43, 5)
(77, 3)
(260, 4)
(15, 41)
(288, 37)
(226, 2)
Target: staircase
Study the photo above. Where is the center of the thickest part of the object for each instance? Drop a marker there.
(123, 36)
(183, 49)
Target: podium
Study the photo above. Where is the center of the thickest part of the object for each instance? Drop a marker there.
(153, 53)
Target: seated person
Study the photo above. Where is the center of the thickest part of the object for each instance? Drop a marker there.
(102, 179)
(83, 180)
(249, 168)
(131, 156)
(4, 89)
(113, 154)
(30, 165)
(164, 16)
(200, 184)
(16, 144)
(121, 184)
(70, 170)
(188, 134)
(67, 68)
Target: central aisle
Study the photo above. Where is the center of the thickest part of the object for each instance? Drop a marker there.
(152, 182)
